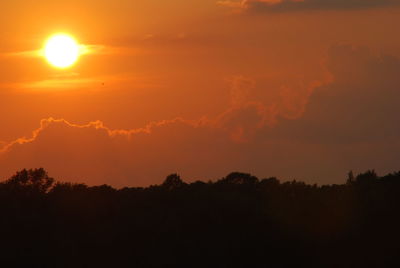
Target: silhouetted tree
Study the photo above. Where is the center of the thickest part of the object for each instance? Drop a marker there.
(32, 179)
(366, 178)
(270, 182)
(239, 178)
(350, 177)
(238, 221)
(172, 181)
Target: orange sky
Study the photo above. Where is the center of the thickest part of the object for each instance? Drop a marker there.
(295, 89)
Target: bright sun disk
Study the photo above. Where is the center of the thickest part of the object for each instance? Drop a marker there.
(61, 51)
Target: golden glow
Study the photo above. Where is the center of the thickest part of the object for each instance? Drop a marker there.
(61, 51)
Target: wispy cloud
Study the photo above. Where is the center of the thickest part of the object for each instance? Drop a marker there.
(83, 50)
(61, 83)
(69, 81)
(296, 5)
(240, 120)
(98, 125)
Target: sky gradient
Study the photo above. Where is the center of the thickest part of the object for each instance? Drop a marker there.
(303, 90)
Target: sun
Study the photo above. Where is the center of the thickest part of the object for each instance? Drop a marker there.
(61, 51)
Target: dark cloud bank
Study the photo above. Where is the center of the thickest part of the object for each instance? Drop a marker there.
(299, 5)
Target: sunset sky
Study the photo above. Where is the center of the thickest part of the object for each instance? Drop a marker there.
(297, 89)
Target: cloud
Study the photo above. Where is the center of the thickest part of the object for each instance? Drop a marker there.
(314, 129)
(359, 107)
(98, 125)
(351, 123)
(255, 104)
(298, 5)
(95, 153)
(83, 50)
(241, 122)
(60, 83)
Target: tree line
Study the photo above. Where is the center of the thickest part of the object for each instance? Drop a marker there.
(237, 221)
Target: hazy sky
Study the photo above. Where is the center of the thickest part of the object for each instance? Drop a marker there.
(302, 90)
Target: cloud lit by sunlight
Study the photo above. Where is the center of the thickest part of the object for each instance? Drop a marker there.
(83, 50)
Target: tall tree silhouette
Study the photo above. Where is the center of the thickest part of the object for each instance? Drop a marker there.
(33, 179)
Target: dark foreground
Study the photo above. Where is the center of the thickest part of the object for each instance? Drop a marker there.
(239, 221)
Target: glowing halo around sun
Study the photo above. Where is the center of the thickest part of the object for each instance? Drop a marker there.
(61, 51)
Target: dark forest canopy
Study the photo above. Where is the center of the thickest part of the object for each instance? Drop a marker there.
(237, 221)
